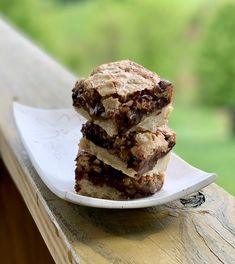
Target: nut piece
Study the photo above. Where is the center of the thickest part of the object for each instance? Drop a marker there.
(111, 104)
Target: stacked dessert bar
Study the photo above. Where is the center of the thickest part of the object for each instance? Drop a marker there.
(126, 142)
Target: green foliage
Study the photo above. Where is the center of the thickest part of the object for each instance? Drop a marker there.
(162, 35)
(203, 140)
(87, 33)
(217, 59)
(30, 16)
(21, 13)
(148, 32)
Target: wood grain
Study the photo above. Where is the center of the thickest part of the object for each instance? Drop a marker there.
(173, 233)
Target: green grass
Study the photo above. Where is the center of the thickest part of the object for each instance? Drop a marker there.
(203, 140)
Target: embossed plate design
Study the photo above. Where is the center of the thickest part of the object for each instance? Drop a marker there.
(51, 139)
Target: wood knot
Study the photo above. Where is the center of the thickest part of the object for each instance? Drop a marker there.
(193, 200)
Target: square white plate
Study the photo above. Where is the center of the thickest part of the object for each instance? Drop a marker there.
(51, 138)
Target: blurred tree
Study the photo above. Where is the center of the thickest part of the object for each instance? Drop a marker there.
(20, 12)
(148, 32)
(69, 1)
(217, 61)
(85, 33)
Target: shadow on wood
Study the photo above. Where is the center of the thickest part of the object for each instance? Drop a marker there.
(20, 240)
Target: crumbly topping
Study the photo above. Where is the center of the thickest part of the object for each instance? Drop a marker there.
(122, 91)
(122, 78)
(148, 143)
(111, 104)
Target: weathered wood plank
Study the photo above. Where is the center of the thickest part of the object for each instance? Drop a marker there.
(174, 233)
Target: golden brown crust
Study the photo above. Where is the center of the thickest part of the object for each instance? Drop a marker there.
(122, 91)
(96, 179)
(139, 150)
(149, 123)
(114, 161)
(122, 78)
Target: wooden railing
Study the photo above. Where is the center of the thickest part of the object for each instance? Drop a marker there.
(173, 233)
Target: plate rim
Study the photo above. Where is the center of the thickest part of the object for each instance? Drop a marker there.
(203, 181)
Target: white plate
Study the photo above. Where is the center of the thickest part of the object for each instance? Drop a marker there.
(51, 138)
